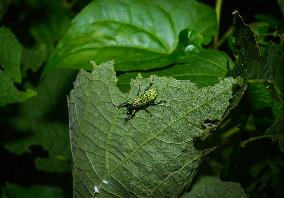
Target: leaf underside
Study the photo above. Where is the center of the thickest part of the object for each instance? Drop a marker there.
(150, 155)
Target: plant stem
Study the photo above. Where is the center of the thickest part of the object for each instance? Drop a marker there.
(218, 7)
(224, 37)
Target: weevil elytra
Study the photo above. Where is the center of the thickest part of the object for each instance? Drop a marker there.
(142, 102)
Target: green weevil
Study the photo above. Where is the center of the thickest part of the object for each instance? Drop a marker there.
(142, 102)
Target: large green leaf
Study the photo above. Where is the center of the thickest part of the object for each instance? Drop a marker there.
(136, 34)
(10, 59)
(150, 155)
(203, 68)
(215, 188)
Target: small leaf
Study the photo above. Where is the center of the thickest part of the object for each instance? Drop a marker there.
(55, 163)
(259, 96)
(10, 58)
(136, 34)
(34, 58)
(272, 67)
(10, 54)
(248, 51)
(9, 93)
(150, 155)
(39, 191)
(215, 188)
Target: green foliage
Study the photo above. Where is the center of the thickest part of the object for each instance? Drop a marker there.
(259, 96)
(10, 55)
(213, 187)
(268, 67)
(53, 26)
(211, 123)
(38, 130)
(272, 68)
(10, 58)
(9, 93)
(266, 173)
(136, 156)
(44, 134)
(39, 191)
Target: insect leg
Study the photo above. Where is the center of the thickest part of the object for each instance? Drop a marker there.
(160, 102)
(138, 90)
(129, 117)
(125, 104)
(149, 86)
(148, 111)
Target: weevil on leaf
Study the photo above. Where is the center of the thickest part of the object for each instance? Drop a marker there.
(142, 102)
